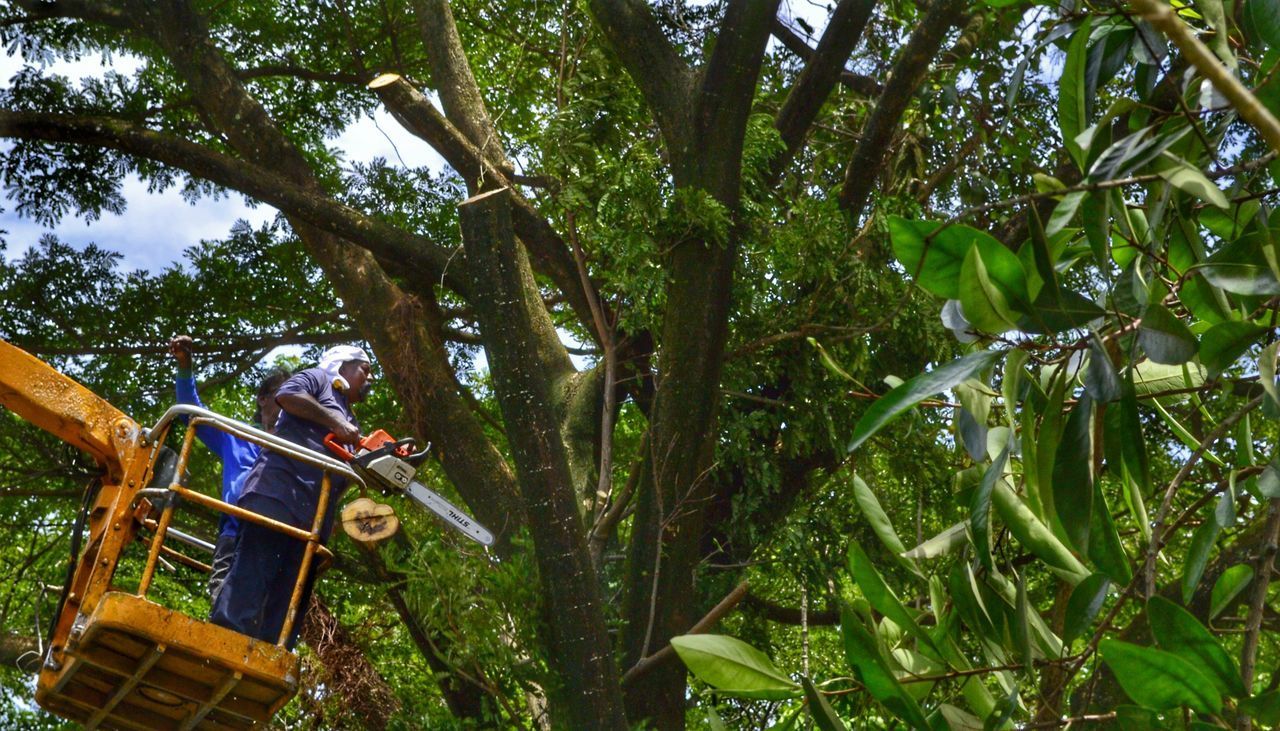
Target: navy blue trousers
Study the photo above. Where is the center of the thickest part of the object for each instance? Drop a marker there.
(254, 599)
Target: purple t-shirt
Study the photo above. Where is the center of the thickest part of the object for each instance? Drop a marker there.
(288, 490)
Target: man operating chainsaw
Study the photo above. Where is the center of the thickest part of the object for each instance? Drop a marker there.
(254, 600)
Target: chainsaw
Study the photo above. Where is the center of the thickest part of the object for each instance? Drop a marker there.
(390, 464)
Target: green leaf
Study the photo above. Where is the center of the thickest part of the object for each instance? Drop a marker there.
(830, 363)
(733, 667)
(1072, 117)
(1265, 708)
(1227, 341)
(1133, 447)
(1022, 629)
(1267, 372)
(1159, 680)
(959, 720)
(824, 716)
(1241, 278)
(941, 544)
(863, 654)
(880, 523)
(880, 596)
(1165, 338)
(1155, 378)
(984, 304)
(1034, 536)
(933, 254)
(1178, 631)
(1262, 20)
(1073, 475)
(916, 390)
(1105, 549)
(1083, 605)
(1184, 435)
(1188, 178)
(1197, 556)
(980, 508)
(1269, 480)
(1101, 380)
(1064, 212)
(1228, 587)
(714, 721)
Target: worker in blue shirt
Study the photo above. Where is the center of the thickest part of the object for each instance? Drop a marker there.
(314, 402)
(237, 455)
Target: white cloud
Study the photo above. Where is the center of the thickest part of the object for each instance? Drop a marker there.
(155, 228)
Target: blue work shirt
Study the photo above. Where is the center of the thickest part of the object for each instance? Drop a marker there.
(288, 490)
(237, 455)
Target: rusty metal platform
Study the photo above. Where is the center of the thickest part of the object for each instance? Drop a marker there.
(133, 664)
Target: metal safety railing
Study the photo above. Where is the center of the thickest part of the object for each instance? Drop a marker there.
(203, 417)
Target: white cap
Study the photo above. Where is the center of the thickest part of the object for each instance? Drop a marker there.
(333, 358)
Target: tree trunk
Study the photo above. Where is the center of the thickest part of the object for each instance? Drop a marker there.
(509, 311)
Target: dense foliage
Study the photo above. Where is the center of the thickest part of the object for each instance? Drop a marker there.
(928, 353)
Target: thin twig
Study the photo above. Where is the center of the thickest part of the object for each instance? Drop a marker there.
(1258, 602)
(1157, 531)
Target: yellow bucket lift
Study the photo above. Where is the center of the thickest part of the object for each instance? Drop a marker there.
(115, 658)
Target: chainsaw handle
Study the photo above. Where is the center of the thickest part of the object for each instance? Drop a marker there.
(339, 451)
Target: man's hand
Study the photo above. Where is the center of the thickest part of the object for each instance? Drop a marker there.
(344, 432)
(180, 349)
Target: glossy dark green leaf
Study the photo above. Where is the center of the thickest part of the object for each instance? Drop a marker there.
(1133, 446)
(1177, 631)
(1228, 587)
(823, 715)
(1022, 624)
(916, 390)
(1187, 177)
(1197, 556)
(1158, 679)
(1055, 312)
(1105, 549)
(1073, 475)
(1083, 605)
(1135, 718)
(1223, 343)
(1101, 380)
(980, 508)
(933, 254)
(1241, 266)
(1262, 20)
(733, 667)
(1165, 338)
(1072, 104)
(1265, 708)
(864, 656)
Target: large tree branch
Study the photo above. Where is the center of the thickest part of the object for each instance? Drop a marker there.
(459, 93)
(857, 83)
(379, 237)
(96, 12)
(650, 60)
(525, 385)
(823, 69)
(908, 73)
(723, 103)
(549, 253)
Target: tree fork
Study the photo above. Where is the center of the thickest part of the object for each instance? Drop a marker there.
(580, 649)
